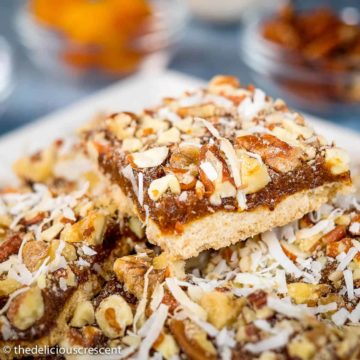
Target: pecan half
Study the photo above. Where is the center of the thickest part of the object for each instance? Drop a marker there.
(275, 153)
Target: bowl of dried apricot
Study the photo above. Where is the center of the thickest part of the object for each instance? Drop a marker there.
(116, 37)
(309, 56)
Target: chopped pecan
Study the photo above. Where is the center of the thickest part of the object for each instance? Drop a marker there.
(335, 235)
(335, 248)
(170, 301)
(33, 254)
(258, 299)
(203, 111)
(191, 346)
(88, 336)
(221, 80)
(276, 153)
(130, 270)
(184, 157)
(34, 220)
(9, 247)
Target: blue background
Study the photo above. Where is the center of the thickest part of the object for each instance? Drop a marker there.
(204, 50)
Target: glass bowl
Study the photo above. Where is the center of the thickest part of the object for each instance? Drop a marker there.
(6, 73)
(150, 49)
(285, 74)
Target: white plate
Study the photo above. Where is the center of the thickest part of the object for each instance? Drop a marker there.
(131, 95)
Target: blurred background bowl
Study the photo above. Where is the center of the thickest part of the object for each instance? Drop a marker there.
(305, 84)
(6, 73)
(142, 40)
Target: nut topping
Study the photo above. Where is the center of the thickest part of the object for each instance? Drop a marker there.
(113, 316)
(192, 340)
(83, 315)
(159, 186)
(337, 160)
(149, 158)
(276, 153)
(34, 252)
(9, 247)
(27, 308)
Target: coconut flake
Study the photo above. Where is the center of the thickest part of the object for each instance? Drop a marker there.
(82, 262)
(184, 300)
(263, 325)
(204, 325)
(127, 171)
(194, 99)
(219, 101)
(254, 156)
(140, 310)
(241, 199)
(355, 228)
(254, 280)
(157, 321)
(209, 170)
(167, 114)
(340, 317)
(213, 131)
(285, 308)
(88, 250)
(258, 129)
(232, 160)
(323, 226)
(355, 314)
(20, 273)
(183, 196)
(281, 281)
(274, 342)
(287, 232)
(278, 254)
(157, 296)
(349, 282)
(345, 261)
(62, 284)
(59, 260)
(147, 214)
(320, 309)
(141, 188)
(242, 292)
(68, 213)
(225, 341)
(249, 108)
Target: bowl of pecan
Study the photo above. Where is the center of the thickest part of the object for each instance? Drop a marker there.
(310, 56)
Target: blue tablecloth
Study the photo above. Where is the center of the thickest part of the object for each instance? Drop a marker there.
(205, 50)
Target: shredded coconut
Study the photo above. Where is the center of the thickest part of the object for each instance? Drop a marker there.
(277, 252)
(339, 318)
(157, 321)
(274, 342)
(184, 301)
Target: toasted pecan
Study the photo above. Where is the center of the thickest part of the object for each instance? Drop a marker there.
(10, 247)
(276, 153)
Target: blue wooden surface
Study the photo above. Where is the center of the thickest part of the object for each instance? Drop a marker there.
(205, 50)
